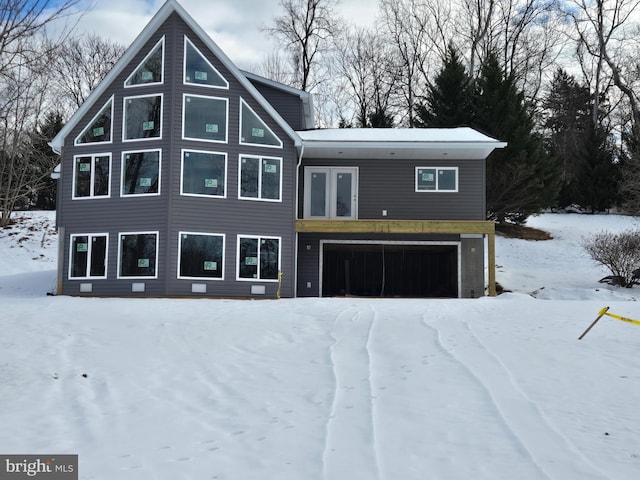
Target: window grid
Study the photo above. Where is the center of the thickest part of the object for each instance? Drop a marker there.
(88, 258)
(436, 179)
(91, 176)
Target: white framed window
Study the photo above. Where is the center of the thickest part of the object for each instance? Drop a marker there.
(201, 255)
(436, 179)
(254, 131)
(98, 130)
(203, 174)
(198, 70)
(140, 173)
(258, 258)
(331, 193)
(151, 70)
(88, 255)
(205, 118)
(260, 178)
(92, 176)
(138, 255)
(142, 118)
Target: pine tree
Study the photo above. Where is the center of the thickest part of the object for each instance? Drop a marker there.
(522, 179)
(448, 99)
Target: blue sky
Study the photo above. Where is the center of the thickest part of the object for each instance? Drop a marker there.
(235, 25)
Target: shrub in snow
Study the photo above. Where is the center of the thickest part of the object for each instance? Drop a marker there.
(619, 252)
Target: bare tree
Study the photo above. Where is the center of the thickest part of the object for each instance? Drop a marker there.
(306, 30)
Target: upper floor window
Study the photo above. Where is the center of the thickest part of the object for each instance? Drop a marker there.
(150, 70)
(198, 70)
(88, 256)
(141, 173)
(253, 131)
(260, 178)
(138, 255)
(99, 128)
(142, 118)
(200, 255)
(436, 179)
(91, 176)
(204, 173)
(258, 258)
(205, 118)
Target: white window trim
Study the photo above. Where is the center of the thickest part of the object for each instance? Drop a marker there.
(126, 277)
(106, 255)
(184, 111)
(258, 238)
(122, 173)
(242, 102)
(73, 181)
(184, 68)
(259, 197)
(95, 117)
(437, 190)
(330, 191)
(224, 246)
(226, 164)
(161, 41)
(124, 118)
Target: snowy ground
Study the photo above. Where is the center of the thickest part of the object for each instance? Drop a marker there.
(493, 388)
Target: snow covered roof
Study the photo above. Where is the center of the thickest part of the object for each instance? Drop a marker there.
(408, 143)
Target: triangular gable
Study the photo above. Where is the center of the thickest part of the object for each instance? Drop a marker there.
(100, 128)
(151, 70)
(169, 7)
(197, 69)
(253, 130)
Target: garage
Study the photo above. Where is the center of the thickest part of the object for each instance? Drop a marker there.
(390, 270)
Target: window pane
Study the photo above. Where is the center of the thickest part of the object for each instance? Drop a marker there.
(318, 194)
(201, 255)
(343, 195)
(254, 130)
(138, 255)
(249, 174)
(446, 179)
(101, 176)
(141, 172)
(203, 173)
(100, 128)
(98, 256)
(143, 117)
(79, 252)
(426, 179)
(269, 251)
(150, 70)
(199, 71)
(83, 177)
(248, 261)
(205, 118)
(270, 178)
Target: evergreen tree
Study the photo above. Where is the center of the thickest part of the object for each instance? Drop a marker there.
(448, 99)
(522, 179)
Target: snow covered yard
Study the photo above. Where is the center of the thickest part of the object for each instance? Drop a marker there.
(493, 388)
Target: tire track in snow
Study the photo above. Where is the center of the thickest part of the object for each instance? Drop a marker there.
(552, 453)
(350, 447)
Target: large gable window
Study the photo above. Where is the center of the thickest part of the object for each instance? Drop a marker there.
(258, 258)
(198, 70)
(260, 178)
(88, 256)
(138, 255)
(205, 118)
(254, 131)
(99, 128)
(91, 176)
(200, 255)
(142, 118)
(204, 173)
(436, 179)
(141, 173)
(150, 70)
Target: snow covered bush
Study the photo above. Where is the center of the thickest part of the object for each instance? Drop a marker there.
(619, 252)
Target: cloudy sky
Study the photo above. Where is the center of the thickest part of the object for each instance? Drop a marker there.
(235, 25)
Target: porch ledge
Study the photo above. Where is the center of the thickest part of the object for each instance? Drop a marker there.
(396, 226)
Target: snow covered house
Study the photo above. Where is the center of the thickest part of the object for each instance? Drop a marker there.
(182, 175)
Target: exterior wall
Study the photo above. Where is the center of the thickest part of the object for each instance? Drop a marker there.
(289, 106)
(170, 213)
(390, 186)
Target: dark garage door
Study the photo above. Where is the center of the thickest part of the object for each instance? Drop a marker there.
(370, 270)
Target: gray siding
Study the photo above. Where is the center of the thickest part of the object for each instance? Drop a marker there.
(288, 105)
(170, 213)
